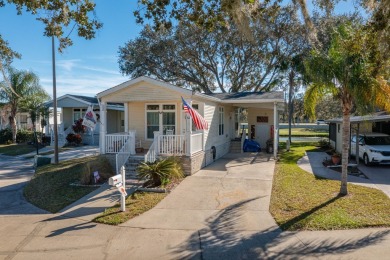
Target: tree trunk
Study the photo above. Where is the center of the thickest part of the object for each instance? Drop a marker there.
(12, 122)
(345, 151)
(290, 102)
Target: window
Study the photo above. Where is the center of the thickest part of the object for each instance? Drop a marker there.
(221, 117)
(78, 113)
(23, 121)
(160, 120)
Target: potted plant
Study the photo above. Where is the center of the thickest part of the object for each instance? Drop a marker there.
(336, 158)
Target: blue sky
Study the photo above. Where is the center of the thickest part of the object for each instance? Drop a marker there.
(87, 67)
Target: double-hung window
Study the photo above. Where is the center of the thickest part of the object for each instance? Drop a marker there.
(221, 121)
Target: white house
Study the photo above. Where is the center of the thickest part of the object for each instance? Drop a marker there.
(74, 107)
(154, 119)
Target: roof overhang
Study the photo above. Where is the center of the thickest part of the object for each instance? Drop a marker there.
(361, 119)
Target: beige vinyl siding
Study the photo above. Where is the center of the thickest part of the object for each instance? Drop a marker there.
(142, 91)
(211, 114)
(67, 117)
(112, 121)
(253, 113)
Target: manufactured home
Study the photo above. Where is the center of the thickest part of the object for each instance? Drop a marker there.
(156, 123)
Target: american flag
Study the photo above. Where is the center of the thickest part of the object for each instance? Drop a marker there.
(199, 121)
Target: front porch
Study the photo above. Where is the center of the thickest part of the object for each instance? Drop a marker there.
(124, 145)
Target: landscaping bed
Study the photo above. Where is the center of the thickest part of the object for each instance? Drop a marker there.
(302, 201)
(52, 187)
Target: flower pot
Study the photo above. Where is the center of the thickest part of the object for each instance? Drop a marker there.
(336, 159)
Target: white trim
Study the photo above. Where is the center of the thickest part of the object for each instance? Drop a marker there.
(251, 101)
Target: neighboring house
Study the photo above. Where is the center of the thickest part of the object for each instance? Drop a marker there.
(23, 120)
(73, 107)
(155, 120)
(377, 122)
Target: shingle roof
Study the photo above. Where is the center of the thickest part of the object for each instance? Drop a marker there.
(248, 95)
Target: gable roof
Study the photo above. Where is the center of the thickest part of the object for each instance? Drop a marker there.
(242, 97)
(87, 101)
(248, 97)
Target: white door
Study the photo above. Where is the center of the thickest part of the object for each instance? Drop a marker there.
(262, 134)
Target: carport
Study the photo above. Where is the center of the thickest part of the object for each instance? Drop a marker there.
(378, 122)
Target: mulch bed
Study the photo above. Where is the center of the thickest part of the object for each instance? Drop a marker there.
(352, 170)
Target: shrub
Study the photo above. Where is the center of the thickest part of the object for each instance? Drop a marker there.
(5, 135)
(78, 127)
(160, 172)
(24, 136)
(70, 138)
(73, 138)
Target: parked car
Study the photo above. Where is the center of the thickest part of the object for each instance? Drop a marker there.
(374, 148)
(320, 122)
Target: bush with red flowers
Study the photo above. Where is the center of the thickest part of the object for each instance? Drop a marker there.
(78, 127)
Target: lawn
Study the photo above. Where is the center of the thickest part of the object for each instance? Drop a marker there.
(304, 132)
(16, 149)
(136, 204)
(50, 187)
(300, 201)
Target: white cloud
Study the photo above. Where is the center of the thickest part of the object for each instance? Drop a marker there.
(88, 85)
(67, 65)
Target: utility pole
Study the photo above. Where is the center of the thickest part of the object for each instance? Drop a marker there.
(54, 102)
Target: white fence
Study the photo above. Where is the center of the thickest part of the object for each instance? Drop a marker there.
(124, 153)
(196, 142)
(151, 155)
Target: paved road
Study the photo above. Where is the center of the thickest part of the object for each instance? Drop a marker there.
(219, 213)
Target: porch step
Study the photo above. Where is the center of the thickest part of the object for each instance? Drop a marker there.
(130, 169)
(235, 146)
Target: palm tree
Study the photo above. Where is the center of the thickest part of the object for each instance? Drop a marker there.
(24, 85)
(351, 71)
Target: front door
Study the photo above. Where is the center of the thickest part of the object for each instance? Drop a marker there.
(262, 134)
(160, 117)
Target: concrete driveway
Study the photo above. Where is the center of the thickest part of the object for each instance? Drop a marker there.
(219, 213)
(378, 174)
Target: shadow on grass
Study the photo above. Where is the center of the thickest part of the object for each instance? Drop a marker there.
(295, 220)
(225, 238)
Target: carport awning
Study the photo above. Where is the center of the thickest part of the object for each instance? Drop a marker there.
(359, 119)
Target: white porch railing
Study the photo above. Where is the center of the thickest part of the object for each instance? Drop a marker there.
(115, 142)
(171, 144)
(124, 153)
(196, 142)
(151, 155)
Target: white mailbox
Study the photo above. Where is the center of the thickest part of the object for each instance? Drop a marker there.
(115, 180)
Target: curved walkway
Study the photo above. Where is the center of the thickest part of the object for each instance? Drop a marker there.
(219, 213)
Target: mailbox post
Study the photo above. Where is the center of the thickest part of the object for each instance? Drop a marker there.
(123, 194)
(119, 182)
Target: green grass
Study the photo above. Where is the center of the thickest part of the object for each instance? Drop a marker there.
(50, 187)
(300, 201)
(16, 149)
(304, 132)
(136, 204)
